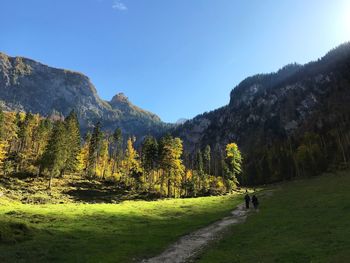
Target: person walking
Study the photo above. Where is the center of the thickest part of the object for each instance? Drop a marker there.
(247, 199)
(255, 202)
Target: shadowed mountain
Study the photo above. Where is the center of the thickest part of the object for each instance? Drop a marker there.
(267, 108)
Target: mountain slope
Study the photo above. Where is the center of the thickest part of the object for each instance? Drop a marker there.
(269, 108)
(33, 87)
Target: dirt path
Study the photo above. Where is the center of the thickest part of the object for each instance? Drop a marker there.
(190, 245)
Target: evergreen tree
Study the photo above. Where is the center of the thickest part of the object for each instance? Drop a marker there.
(199, 169)
(199, 162)
(94, 148)
(73, 141)
(117, 149)
(149, 158)
(207, 159)
(149, 153)
(41, 136)
(55, 156)
(26, 155)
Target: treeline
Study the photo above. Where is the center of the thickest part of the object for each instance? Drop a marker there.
(55, 148)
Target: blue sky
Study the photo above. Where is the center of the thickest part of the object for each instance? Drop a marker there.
(176, 58)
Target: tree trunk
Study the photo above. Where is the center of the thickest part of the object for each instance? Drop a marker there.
(169, 187)
(50, 182)
(62, 173)
(341, 147)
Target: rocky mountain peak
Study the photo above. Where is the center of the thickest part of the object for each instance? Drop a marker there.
(120, 98)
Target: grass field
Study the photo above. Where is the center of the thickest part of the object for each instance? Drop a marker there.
(304, 221)
(123, 232)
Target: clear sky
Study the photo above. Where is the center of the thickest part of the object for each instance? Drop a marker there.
(176, 58)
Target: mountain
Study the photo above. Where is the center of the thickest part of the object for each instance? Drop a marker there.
(266, 110)
(27, 85)
(181, 121)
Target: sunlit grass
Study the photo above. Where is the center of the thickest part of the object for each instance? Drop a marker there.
(304, 221)
(103, 232)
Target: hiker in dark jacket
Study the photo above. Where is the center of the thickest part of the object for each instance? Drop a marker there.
(255, 202)
(247, 200)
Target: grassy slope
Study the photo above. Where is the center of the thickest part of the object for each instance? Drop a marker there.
(102, 232)
(304, 221)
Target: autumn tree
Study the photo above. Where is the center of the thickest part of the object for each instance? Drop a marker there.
(170, 160)
(3, 143)
(234, 163)
(131, 164)
(103, 161)
(2, 123)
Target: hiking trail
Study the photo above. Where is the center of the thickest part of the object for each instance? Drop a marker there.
(190, 245)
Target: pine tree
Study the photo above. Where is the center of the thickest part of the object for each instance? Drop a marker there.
(199, 169)
(26, 152)
(149, 158)
(117, 149)
(94, 148)
(207, 159)
(41, 136)
(55, 156)
(73, 141)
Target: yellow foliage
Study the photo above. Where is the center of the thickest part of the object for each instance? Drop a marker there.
(3, 151)
(83, 158)
(188, 175)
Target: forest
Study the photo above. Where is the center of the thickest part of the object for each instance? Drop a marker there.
(54, 148)
(312, 151)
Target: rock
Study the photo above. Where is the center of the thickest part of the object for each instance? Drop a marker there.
(27, 85)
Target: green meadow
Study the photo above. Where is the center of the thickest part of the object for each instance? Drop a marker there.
(125, 232)
(304, 221)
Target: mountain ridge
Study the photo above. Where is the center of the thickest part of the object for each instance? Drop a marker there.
(265, 108)
(31, 86)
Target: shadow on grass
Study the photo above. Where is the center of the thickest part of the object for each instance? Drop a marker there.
(96, 192)
(106, 192)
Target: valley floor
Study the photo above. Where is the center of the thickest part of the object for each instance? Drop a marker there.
(125, 232)
(304, 221)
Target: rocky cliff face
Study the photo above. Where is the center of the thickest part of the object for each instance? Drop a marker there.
(30, 86)
(267, 107)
